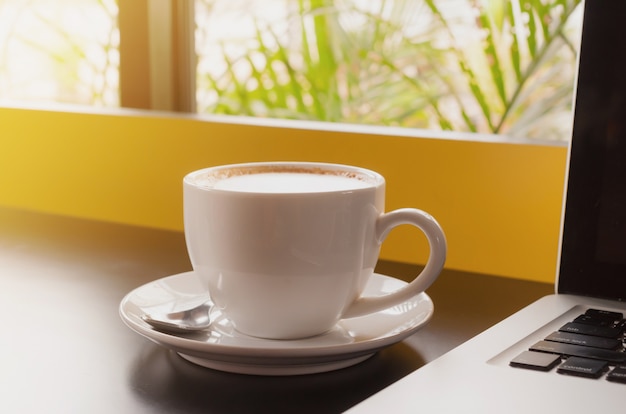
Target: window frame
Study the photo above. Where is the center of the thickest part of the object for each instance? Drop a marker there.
(157, 56)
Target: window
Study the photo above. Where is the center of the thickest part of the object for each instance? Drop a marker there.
(490, 66)
(487, 66)
(62, 50)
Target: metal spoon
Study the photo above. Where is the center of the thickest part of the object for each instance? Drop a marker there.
(189, 320)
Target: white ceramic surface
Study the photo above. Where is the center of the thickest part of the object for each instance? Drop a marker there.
(223, 348)
(289, 264)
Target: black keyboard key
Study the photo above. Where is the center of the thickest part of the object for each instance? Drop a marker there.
(597, 313)
(536, 360)
(579, 351)
(593, 320)
(618, 374)
(583, 367)
(584, 340)
(593, 330)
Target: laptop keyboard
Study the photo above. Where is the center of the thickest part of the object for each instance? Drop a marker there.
(591, 346)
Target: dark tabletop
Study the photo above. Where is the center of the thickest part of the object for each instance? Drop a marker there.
(64, 348)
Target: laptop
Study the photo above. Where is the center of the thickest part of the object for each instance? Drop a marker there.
(544, 359)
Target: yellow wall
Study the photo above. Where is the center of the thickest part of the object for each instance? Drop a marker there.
(499, 203)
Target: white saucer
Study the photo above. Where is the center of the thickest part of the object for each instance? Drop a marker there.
(221, 347)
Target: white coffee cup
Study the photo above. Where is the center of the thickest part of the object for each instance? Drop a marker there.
(285, 248)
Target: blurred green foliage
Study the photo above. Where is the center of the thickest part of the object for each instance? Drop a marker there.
(489, 66)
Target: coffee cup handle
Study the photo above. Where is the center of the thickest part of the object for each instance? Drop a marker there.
(437, 257)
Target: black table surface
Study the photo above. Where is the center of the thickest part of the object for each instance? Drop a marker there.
(65, 349)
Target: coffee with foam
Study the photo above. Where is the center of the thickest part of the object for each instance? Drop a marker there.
(290, 182)
(280, 179)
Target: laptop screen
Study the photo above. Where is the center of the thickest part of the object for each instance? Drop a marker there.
(593, 251)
